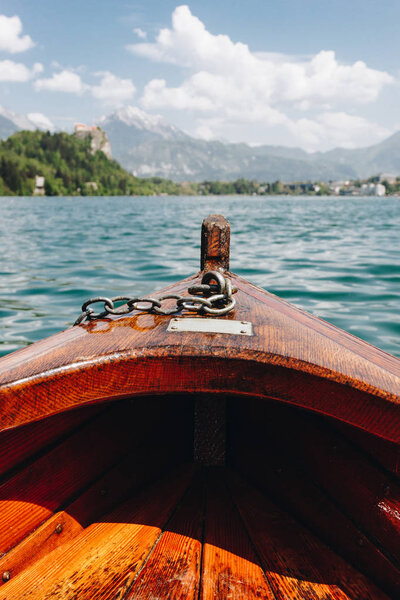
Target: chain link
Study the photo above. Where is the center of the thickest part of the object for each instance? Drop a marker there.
(213, 296)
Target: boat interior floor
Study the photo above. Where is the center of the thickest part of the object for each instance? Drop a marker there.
(118, 502)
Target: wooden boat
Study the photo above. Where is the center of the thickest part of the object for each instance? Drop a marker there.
(141, 459)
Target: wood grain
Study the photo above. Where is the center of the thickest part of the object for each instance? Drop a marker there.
(382, 452)
(132, 472)
(173, 568)
(138, 468)
(101, 561)
(56, 531)
(215, 244)
(274, 470)
(17, 445)
(297, 565)
(364, 492)
(293, 357)
(230, 567)
(34, 493)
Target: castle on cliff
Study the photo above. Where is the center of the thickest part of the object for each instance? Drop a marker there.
(98, 137)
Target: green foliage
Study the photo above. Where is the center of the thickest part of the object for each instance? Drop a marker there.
(392, 188)
(68, 166)
(71, 169)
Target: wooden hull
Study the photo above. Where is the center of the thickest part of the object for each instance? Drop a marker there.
(137, 462)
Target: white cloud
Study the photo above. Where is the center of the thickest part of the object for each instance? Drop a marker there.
(140, 33)
(11, 39)
(41, 121)
(64, 81)
(221, 66)
(12, 71)
(228, 84)
(112, 89)
(341, 129)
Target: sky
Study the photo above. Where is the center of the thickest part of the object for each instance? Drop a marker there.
(310, 73)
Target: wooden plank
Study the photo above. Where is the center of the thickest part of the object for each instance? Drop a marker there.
(54, 532)
(17, 445)
(230, 567)
(102, 561)
(293, 490)
(173, 568)
(369, 496)
(385, 453)
(134, 471)
(30, 496)
(266, 441)
(297, 565)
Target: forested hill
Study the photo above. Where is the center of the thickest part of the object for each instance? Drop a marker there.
(69, 168)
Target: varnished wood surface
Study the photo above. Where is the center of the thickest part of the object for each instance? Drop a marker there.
(299, 461)
(382, 452)
(297, 565)
(53, 533)
(28, 498)
(17, 445)
(293, 357)
(173, 568)
(230, 566)
(103, 461)
(182, 539)
(367, 494)
(102, 560)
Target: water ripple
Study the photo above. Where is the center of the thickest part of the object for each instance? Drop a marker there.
(336, 257)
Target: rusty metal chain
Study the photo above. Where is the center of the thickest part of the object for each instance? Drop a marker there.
(205, 298)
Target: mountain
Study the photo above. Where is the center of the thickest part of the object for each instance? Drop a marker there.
(147, 145)
(7, 127)
(11, 122)
(379, 158)
(129, 127)
(198, 160)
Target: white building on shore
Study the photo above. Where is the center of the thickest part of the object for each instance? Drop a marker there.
(373, 189)
(39, 186)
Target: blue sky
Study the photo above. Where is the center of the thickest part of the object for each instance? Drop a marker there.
(310, 73)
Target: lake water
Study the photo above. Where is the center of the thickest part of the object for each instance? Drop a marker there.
(338, 258)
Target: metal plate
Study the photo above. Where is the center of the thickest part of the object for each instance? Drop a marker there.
(212, 325)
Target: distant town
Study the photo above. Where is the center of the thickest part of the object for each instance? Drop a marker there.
(39, 163)
(377, 186)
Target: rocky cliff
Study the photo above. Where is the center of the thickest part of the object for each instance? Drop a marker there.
(98, 138)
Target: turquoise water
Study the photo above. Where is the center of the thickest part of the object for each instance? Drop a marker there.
(338, 258)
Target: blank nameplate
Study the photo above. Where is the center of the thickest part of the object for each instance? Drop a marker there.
(212, 325)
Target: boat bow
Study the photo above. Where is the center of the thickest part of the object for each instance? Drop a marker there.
(291, 356)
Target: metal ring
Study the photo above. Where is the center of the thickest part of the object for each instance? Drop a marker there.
(85, 315)
(167, 311)
(120, 310)
(193, 303)
(216, 276)
(200, 288)
(170, 297)
(107, 302)
(220, 311)
(228, 288)
(153, 301)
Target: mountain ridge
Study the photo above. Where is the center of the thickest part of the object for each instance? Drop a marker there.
(147, 145)
(171, 153)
